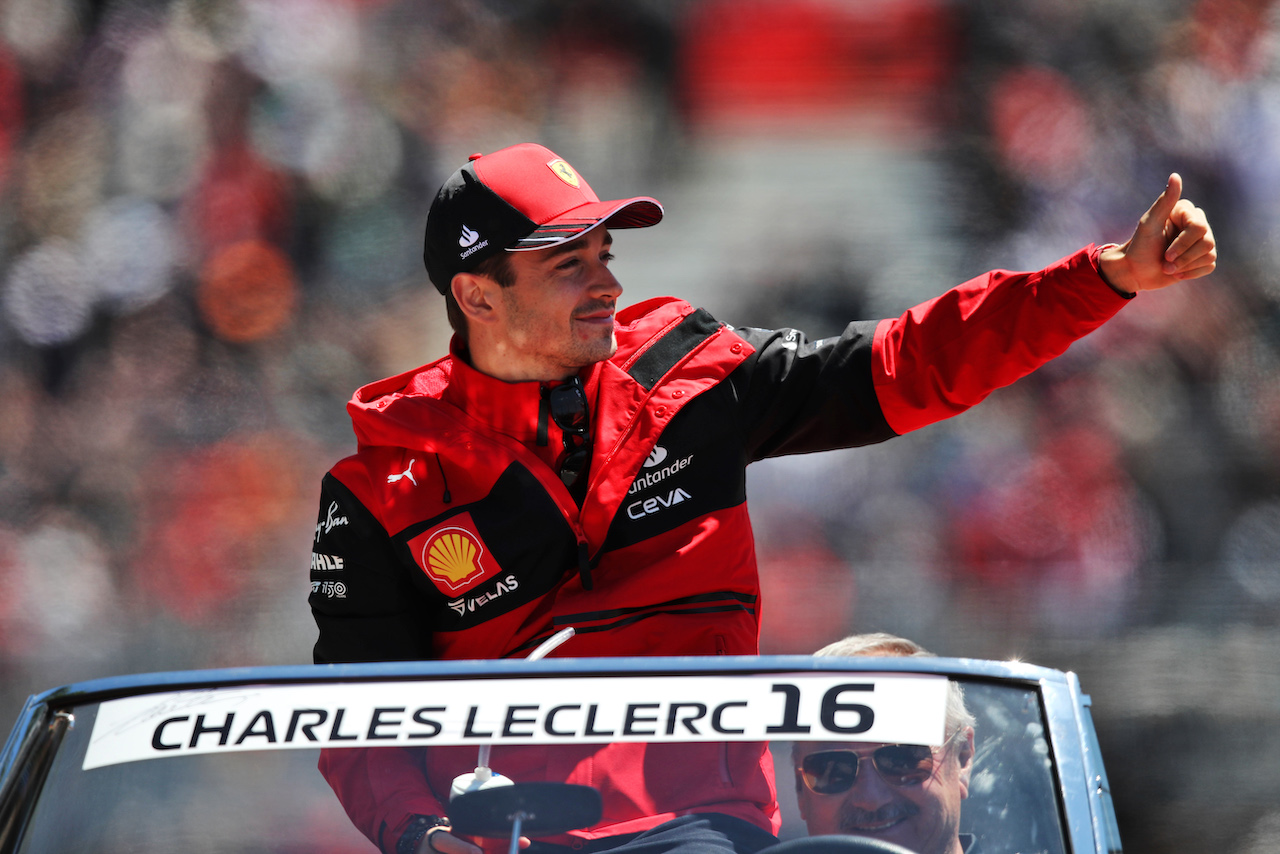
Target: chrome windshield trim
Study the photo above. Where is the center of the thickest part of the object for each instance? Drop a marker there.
(99, 690)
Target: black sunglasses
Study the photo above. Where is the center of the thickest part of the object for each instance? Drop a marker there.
(830, 772)
(568, 403)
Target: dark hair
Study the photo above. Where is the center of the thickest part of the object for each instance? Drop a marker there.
(497, 267)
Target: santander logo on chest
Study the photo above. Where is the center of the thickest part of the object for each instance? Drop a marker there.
(453, 556)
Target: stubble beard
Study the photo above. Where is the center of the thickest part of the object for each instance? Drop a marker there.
(595, 350)
(599, 346)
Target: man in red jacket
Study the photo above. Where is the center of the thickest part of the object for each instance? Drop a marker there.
(570, 464)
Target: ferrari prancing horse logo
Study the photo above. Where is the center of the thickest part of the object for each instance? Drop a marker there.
(564, 172)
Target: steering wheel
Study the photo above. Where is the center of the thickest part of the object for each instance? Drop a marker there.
(836, 844)
(536, 809)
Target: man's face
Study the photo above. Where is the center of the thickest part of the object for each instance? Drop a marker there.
(558, 316)
(921, 816)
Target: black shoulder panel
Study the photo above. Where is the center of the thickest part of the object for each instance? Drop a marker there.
(664, 353)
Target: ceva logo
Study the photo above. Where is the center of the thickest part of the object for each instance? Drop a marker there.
(649, 506)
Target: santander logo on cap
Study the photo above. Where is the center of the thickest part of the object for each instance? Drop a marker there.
(470, 242)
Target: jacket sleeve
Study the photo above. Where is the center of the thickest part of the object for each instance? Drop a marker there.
(363, 602)
(798, 395)
(947, 354)
(367, 610)
(885, 378)
(380, 789)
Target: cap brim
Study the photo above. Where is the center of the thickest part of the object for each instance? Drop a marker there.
(639, 212)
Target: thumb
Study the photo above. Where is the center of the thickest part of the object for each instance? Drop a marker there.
(1158, 214)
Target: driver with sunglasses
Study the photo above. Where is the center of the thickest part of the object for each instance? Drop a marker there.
(908, 794)
(571, 464)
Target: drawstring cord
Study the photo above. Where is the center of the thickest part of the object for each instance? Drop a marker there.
(448, 499)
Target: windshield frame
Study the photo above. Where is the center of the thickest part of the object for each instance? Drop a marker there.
(1079, 779)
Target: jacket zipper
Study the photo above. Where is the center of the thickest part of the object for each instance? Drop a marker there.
(584, 561)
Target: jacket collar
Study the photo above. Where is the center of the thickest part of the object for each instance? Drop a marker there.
(512, 408)
(508, 407)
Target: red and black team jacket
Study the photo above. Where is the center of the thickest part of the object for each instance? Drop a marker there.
(449, 535)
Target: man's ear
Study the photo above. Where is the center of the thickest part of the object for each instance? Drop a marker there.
(475, 296)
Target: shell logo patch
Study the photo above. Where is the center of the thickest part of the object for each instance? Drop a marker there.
(564, 172)
(453, 556)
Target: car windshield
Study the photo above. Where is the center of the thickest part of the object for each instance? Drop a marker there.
(236, 768)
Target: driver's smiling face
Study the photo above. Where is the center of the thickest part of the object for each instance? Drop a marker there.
(558, 316)
(923, 817)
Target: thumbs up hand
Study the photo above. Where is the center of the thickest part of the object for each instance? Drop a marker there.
(1173, 242)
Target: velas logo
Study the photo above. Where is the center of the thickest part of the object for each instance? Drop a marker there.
(564, 172)
(453, 556)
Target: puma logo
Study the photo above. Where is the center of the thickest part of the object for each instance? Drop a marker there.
(396, 478)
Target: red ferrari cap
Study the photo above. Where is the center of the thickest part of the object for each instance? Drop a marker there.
(517, 199)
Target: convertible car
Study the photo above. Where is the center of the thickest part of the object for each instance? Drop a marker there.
(226, 760)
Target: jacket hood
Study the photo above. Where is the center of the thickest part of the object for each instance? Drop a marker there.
(406, 410)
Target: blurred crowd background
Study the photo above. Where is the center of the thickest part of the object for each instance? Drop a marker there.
(210, 234)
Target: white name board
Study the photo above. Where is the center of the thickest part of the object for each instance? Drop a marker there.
(901, 708)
